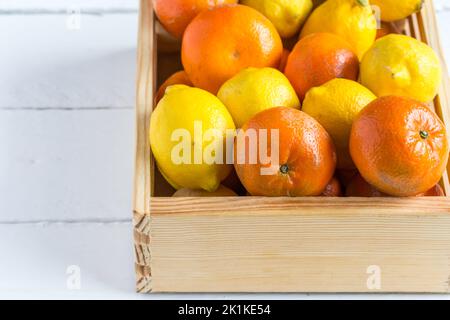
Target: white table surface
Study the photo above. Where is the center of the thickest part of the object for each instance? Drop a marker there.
(67, 149)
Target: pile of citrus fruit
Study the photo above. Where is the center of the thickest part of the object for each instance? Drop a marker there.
(298, 98)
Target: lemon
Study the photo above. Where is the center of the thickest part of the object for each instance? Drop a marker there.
(335, 105)
(178, 138)
(403, 66)
(353, 20)
(254, 90)
(392, 10)
(222, 191)
(287, 15)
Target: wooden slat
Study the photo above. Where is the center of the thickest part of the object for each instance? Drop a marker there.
(146, 83)
(442, 101)
(307, 245)
(144, 163)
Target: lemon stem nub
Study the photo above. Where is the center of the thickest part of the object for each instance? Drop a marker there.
(423, 134)
(284, 169)
(364, 3)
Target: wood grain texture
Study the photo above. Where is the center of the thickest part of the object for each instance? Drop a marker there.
(146, 84)
(257, 244)
(268, 245)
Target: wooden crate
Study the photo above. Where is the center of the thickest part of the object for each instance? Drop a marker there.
(257, 244)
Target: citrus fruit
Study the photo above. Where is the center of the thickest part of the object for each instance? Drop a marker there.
(300, 162)
(403, 66)
(175, 15)
(392, 10)
(319, 58)
(335, 105)
(436, 191)
(253, 90)
(178, 147)
(287, 15)
(179, 77)
(353, 20)
(333, 189)
(358, 187)
(220, 192)
(221, 42)
(399, 146)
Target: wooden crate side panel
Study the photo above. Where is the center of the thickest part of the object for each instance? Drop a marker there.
(261, 244)
(430, 32)
(144, 163)
(146, 83)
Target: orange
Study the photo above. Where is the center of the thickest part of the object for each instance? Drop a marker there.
(359, 187)
(399, 146)
(436, 191)
(179, 77)
(221, 42)
(333, 189)
(319, 58)
(175, 15)
(306, 155)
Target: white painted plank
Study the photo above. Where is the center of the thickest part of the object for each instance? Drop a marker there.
(441, 5)
(107, 4)
(66, 165)
(32, 6)
(36, 258)
(45, 64)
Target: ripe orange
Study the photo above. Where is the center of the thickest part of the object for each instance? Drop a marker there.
(307, 157)
(221, 42)
(399, 146)
(319, 58)
(333, 189)
(175, 15)
(179, 77)
(359, 187)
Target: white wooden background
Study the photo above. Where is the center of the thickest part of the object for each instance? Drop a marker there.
(67, 148)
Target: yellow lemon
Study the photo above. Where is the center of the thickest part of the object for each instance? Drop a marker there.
(254, 90)
(287, 15)
(335, 105)
(188, 129)
(392, 10)
(403, 66)
(353, 20)
(222, 191)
